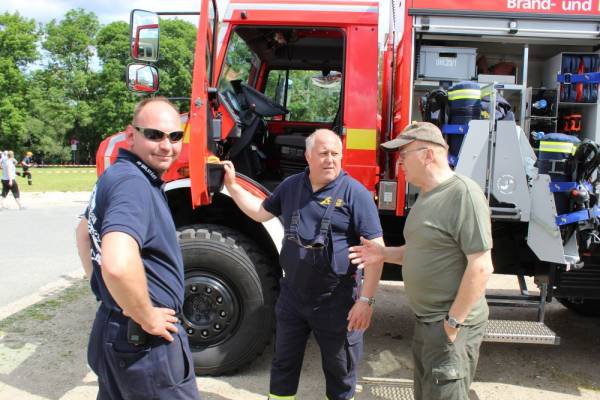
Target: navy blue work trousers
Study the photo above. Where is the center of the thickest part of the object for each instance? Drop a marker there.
(341, 350)
(156, 370)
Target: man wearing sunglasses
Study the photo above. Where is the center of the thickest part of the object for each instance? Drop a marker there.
(446, 264)
(324, 211)
(137, 346)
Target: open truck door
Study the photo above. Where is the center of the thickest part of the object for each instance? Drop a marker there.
(201, 127)
(397, 97)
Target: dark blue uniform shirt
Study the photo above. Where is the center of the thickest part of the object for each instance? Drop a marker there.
(129, 198)
(355, 213)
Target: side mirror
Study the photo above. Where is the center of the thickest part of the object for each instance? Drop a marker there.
(144, 35)
(142, 78)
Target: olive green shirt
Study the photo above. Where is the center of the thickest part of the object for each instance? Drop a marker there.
(444, 226)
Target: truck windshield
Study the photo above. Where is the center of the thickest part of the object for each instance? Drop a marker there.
(311, 95)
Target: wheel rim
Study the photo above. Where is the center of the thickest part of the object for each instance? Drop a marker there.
(210, 310)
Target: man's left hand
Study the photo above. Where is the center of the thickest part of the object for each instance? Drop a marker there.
(359, 317)
(450, 332)
(367, 255)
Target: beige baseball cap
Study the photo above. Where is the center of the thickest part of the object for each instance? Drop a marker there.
(423, 131)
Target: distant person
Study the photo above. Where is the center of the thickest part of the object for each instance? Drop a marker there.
(3, 157)
(9, 179)
(27, 163)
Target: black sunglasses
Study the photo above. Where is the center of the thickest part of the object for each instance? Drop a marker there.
(158, 135)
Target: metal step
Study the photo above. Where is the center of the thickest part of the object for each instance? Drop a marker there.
(385, 388)
(506, 331)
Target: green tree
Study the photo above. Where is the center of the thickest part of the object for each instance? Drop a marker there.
(112, 43)
(50, 118)
(177, 43)
(70, 41)
(18, 38)
(114, 105)
(70, 45)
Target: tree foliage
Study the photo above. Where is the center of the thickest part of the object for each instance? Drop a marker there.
(75, 89)
(70, 42)
(18, 38)
(114, 104)
(65, 80)
(177, 43)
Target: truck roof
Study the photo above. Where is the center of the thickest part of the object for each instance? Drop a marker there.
(526, 8)
(303, 12)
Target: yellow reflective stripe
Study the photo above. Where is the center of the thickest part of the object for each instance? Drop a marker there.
(486, 91)
(557, 147)
(186, 133)
(361, 139)
(275, 397)
(462, 94)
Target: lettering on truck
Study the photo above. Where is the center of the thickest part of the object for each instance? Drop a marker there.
(549, 5)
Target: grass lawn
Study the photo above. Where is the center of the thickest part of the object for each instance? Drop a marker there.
(59, 180)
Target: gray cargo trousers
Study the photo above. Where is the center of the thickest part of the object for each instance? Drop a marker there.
(445, 370)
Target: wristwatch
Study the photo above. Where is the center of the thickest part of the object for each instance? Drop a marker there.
(369, 300)
(453, 322)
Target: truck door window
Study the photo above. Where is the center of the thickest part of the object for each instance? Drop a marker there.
(312, 96)
(209, 45)
(239, 60)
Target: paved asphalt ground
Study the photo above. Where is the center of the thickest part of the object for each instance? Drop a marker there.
(37, 245)
(45, 359)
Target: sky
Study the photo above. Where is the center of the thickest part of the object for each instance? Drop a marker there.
(106, 10)
(116, 10)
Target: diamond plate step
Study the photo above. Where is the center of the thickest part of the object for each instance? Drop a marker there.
(519, 332)
(386, 389)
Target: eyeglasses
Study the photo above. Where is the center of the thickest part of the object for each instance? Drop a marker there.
(402, 154)
(157, 135)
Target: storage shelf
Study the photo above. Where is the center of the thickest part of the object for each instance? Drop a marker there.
(590, 113)
(420, 83)
(507, 86)
(565, 103)
(430, 83)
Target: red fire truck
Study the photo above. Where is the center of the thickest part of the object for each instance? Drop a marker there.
(277, 70)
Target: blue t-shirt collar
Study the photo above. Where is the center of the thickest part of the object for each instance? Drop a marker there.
(151, 174)
(330, 185)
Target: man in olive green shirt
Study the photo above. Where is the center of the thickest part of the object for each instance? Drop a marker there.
(446, 264)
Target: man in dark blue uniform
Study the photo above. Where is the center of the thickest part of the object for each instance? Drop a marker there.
(324, 212)
(137, 347)
(26, 164)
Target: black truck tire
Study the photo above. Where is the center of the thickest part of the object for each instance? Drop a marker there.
(585, 307)
(230, 292)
